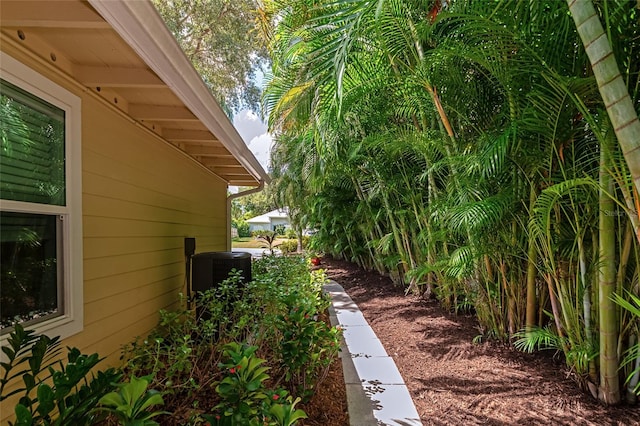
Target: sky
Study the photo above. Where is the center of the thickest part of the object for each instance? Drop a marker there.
(254, 133)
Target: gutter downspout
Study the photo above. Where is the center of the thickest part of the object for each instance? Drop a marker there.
(232, 197)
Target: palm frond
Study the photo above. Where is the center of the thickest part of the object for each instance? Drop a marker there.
(536, 339)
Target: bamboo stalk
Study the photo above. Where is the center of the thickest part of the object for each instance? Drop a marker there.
(609, 389)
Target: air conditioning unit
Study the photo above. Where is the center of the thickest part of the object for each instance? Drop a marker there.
(211, 268)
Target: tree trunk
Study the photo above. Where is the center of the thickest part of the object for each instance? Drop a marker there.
(610, 83)
(300, 235)
(609, 390)
(532, 272)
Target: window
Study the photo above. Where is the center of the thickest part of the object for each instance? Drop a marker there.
(40, 204)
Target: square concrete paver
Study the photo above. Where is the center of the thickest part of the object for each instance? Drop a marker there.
(347, 317)
(358, 331)
(393, 406)
(362, 342)
(343, 301)
(378, 370)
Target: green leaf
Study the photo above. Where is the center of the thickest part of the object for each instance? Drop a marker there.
(46, 399)
(29, 381)
(154, 398)
(132, 391)
(23, 416)
(112, 399)
(10, 353)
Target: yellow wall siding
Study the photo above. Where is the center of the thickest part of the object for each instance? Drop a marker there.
(141, 197)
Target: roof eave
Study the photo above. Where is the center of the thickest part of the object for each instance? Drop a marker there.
(140, 25)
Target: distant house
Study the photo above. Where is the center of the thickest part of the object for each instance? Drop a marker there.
(269, 221)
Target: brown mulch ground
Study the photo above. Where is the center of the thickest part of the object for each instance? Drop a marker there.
(454, 381)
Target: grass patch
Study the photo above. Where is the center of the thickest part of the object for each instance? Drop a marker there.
(249, 242)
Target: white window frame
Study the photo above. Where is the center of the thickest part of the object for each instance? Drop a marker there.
(71, 320)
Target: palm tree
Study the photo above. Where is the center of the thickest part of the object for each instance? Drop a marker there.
(611, 84)
(625, 123)
(461, 147)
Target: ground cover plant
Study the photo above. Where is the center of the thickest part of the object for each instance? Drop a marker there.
(249, 355)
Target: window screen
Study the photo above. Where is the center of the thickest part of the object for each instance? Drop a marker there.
(32, 138)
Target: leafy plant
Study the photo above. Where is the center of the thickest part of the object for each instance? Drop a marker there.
(307, 347)
(65, 395)
(536, 339)
(131, 402)
(25, 347)
(242, 390)
(245, 399)
(268, 237)
(287, 414)
(632, 354)
(189, 350)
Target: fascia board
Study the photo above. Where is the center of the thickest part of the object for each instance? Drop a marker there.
(141, 27)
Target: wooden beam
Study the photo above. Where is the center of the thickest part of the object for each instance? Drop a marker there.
(212, 162)
(230, 170)
(226, 162)
(50, 14)
(205, 144)
(239, 182)
(117, 77)
(149, 112)
(183, 135)
(207, 151)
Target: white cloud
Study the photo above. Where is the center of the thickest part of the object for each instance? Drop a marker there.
(261, 148)
(249, 125)
(254, 133)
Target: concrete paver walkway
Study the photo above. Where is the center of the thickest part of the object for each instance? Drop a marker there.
(376, 392)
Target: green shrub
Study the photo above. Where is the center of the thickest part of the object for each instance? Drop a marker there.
(245, 400)
(290, 233)
(187, 355)
(289, 246)
(294, 239)
(243, 229)
(308, 346)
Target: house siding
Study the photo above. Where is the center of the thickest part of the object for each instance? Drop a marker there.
(280, 221)
(140, 198)
(259, 227)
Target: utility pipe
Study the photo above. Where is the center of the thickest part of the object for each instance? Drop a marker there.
(232, 197)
